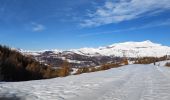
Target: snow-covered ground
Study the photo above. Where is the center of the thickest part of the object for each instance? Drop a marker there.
(162, 63)
(128, 49)
(131, 82)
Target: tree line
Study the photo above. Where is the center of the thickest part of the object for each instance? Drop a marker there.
(101, 67)
(16, 67)
(149, 60)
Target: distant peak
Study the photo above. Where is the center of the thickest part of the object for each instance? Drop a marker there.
(148, 41)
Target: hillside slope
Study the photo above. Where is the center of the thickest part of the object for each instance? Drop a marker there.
(128, 49)
(102, 55)
(16, 67)
(132, 82)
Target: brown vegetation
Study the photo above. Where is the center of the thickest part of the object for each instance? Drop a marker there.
(149, 60)
(126, 61)
(167, 64)
(65, 69)
(16, 67)
(100, 68)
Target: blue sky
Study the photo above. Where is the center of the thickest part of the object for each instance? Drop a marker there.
(66, 24)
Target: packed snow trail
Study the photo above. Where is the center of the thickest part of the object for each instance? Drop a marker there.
(132, 82)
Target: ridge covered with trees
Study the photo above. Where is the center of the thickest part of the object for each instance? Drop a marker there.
(102, 67)
(149, 60)
(16, 67)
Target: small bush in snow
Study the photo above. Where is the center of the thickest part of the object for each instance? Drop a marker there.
(167, 64)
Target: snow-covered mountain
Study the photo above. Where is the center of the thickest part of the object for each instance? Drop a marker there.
(126, 49)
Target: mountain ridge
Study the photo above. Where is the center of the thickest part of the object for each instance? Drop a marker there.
(125, 49)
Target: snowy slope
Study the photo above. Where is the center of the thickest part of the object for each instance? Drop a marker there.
(36, 53)
(126, 49)
(132, 82)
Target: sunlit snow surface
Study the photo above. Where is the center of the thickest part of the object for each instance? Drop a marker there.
(132, 82)
(128, 49)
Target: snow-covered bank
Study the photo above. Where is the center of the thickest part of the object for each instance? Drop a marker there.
(132, 82)
(162, 63)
